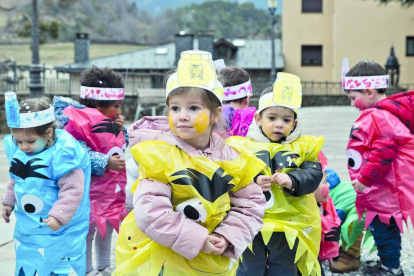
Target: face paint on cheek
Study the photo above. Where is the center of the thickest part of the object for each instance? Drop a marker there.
(325, 191)
(39, 145)
(112, 114)
(359, 103)
(201, 122)
(171, 123)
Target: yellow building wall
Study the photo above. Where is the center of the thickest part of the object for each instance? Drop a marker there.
(356, 29)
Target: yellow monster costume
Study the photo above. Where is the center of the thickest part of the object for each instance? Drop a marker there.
(136, 254)
(298, 217)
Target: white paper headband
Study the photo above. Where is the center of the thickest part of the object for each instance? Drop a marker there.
(102, 93)
(361, 83)
(37, 118)
(237, 91)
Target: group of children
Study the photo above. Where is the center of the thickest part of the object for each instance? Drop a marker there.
(218, 187)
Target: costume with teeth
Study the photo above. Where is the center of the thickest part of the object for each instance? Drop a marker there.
(184, 194)
(293, 213)
(39, 248)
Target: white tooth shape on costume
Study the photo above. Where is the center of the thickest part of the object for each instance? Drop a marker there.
(306, 231)
(41, 251)
(16, 243)
(118, 188)
(232, 261)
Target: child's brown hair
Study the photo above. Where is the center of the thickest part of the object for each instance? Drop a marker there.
(231, 76)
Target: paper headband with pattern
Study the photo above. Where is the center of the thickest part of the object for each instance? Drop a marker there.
(37, 118)
(102, 93)
(238, 91)
(361, 83)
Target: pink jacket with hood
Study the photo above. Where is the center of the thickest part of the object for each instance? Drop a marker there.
(154, 212)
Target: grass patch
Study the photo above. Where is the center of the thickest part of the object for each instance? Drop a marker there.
(61, 53)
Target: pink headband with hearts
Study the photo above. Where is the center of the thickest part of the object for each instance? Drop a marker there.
(361, 83)
(102, 93)
(238, 91)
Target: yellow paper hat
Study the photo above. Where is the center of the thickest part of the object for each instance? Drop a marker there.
(196, 69)
(287, 92)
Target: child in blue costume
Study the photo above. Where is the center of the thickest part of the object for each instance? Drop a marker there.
(49, 192)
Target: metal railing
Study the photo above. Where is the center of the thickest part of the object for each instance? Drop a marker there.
(149, 81)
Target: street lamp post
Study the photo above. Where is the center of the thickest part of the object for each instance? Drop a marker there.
(35, 86)
(272, 6)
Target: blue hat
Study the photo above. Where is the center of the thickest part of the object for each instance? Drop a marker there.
(332, 178)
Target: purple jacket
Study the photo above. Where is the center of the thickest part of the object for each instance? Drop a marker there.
(154, 212)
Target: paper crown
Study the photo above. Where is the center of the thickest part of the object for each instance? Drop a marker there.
(361, 82)
(15, 119)
(287, 92)
(102, 93)
(196, 69)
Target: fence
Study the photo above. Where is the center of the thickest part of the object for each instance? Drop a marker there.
(70, 85)
(136, 82)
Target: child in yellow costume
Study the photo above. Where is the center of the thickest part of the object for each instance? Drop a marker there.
(196, 207)
(291, 235)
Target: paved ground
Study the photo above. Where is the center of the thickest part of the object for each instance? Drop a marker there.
(333, 123)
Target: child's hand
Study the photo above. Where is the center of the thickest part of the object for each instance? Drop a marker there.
(120, 120)
(358, 186)
(208, 246)
(6, 212)
(115, 163)
(53, 223)
(283, 180)
(265, 182)
(222, 245)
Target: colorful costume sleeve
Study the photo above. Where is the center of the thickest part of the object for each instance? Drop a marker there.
(380, 156)
(71, 191)
(9, 199)
(306, 180)
(99, 161)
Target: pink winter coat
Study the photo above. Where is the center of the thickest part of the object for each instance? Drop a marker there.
(380, 155)
(156, 217)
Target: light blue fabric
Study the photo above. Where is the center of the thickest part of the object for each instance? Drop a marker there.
(37, 247)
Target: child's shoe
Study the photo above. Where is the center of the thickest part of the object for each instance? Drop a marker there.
(388, 271)
(381, 270)
(93, 272)
(345, 263)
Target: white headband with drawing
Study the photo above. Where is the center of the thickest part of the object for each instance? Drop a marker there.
(102, 93)
(361, 82)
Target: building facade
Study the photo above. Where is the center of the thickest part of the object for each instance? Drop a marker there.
(318, 34)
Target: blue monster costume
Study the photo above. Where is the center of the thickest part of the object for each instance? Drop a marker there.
(39, 248)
